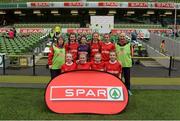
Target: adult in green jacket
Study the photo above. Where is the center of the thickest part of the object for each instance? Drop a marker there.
(124, 53)
(56, 57)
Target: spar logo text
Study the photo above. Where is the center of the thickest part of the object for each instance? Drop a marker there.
(106, 93)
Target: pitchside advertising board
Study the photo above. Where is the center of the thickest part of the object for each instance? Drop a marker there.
(86, 92)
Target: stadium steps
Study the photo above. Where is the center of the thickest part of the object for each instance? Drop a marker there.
(150, 63)
(42, 61)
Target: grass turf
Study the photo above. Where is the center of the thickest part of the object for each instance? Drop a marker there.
(18, 103)
(46, 79)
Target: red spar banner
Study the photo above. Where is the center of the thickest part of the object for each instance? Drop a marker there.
(122, 30)
(39, 4)
(86, 92)
(138, 5)
(3, 30)
(80, 30)
(161, 30)
(110, 4)
(164, 5)
(73, 4)
(31, 30)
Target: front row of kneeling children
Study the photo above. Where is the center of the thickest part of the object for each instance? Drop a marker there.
(112, 66)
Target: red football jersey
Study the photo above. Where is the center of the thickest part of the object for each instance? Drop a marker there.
(95, 48)
(73, 49)
(114, 68)
(98, 66)
(68, 67)
(105, 49)
(84, 66)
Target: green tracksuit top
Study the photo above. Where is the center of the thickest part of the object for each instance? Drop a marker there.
(51, 35)
(124, 55)
(58, 58)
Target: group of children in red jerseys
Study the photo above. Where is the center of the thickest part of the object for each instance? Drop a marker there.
(112, 66)
(95, 55)
(100, 56)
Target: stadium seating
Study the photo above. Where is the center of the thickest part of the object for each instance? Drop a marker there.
(70, 25)
(20, 44)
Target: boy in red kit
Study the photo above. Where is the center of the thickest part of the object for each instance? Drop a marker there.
(113, 66)
(97, 64)
(95, 45)
(69, 65)
(72, 46)
(82, 63)
(106, 47)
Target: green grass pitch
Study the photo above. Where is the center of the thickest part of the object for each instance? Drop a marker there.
(20, 104)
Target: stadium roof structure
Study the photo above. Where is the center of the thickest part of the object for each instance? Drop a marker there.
(75, 11)
(100, 4)
(21, 1)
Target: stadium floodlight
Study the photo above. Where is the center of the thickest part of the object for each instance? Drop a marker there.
(2, 12)
(146, 15)
(127, 14)
(36, 11)
(130, 12)
(162, 15)
(39, 14)
(54, 11)
(150, 12)
(22, 14)
(112, 12)
(92, 12)
(74, 12)
(168, 13)
(17, 12)
(56, 14)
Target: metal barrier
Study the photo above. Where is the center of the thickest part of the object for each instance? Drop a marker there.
(29, 65)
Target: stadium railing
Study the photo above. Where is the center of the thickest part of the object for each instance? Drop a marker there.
(142, 26)
(28, 65)
(46, 25)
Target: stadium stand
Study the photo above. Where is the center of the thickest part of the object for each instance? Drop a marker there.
(20, 44)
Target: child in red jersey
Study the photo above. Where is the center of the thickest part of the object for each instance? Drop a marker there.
(97, 64)
(72, 46)
(106, 47)
(69, 65)
(82, 63)
(113, 66)
(95, 45)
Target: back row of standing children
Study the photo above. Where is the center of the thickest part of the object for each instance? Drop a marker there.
(78, 48)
